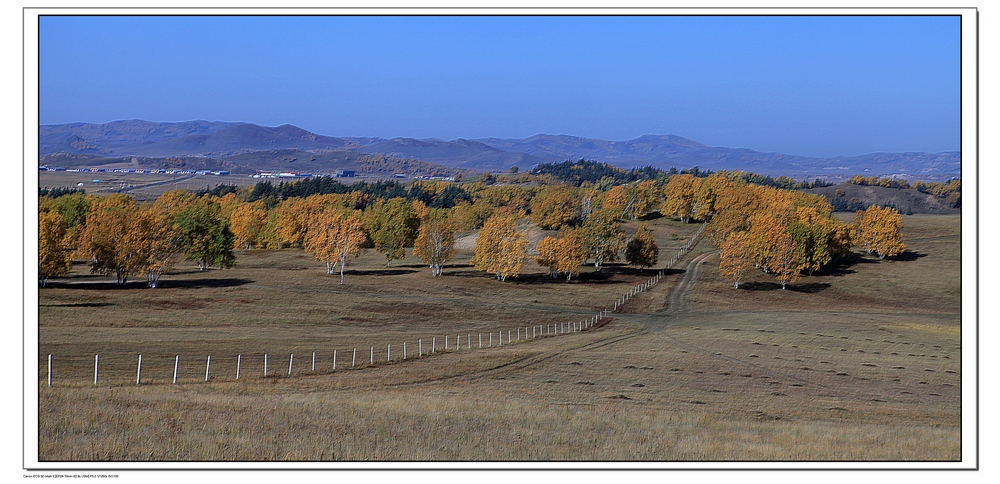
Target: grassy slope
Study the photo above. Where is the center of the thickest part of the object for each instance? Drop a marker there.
(860, 363)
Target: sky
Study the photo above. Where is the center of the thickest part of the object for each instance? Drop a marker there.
(802, 85)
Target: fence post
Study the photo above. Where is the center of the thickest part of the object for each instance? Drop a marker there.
(208, 364)
(468, 341)
(388, 353)
(97, 359)
(50, 370)
(372, 356)
(354, 357)
(404, 350)
(239, 359)
(420, 348)
(177, 361)
(491, 339)
(434, 342)
(265, 364)
(446, 342)
(334, 360)
(290, 357)
(138, 371)
(314, 361)
(480, 340)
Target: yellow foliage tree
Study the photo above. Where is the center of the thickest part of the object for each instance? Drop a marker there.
(55, 253)
(435, 244)
(680, 196)
(736, 257)
(335, 236)
(248, 222)
(554, 207)
(500, 248)
(123, 239)
(879, 230)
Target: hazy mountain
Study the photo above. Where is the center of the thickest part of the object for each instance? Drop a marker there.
(221, 139)
(194, 138)
(460, 153)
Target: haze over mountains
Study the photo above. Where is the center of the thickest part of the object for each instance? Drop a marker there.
(260, 148)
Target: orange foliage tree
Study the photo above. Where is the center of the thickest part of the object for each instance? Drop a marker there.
(563, 254)
(335, 236)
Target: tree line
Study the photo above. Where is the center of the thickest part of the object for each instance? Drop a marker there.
(780, 232)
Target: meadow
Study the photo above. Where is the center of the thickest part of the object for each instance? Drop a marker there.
(860, 362)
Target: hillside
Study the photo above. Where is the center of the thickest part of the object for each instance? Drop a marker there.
(908, 201)
(219, 140)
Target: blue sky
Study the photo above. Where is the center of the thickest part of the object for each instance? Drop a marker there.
(814, 86)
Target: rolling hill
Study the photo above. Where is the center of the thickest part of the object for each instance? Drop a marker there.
(220, 140)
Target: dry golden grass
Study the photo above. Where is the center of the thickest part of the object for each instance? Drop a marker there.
(860, 364)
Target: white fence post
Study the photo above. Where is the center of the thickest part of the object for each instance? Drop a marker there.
(97, 359)
(404, 350)
(334, 360)
(446, 342)
(239, 359)
(420, 348)
(314, 361)
(372, 356)
(50, 370)
(434, 342)
(354, 357)
(480, 340)
(265, 364)
(177, 361)
(491, 339)
(138, 371)
(208, 364)
(290, 357)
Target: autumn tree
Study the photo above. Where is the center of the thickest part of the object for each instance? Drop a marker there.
(642, 250)
(680, 195)
(72, 207)
(125, 240)
(736, 257)
(248, 222)
(554, 207)
(879, 230)
(435, 244)
(548, 255)
(159, 246)
(603, 236)
(500, 249)
(562, 254)
(291, 221)
(55, 248)
(392, 226)
(335, 237)
(633, 200)
(784, 259)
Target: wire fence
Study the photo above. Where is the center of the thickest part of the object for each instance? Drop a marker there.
(116, 369)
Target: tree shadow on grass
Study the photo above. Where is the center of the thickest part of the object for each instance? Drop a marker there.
(378, 272)
(78, 305)
(205, 283)
(809, 288)
(843, 266)
(142, 284)
(909, 256)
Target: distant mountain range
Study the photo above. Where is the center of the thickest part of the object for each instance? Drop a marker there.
(256, 147)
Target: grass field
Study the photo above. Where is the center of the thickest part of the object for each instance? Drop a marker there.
(859, 363)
